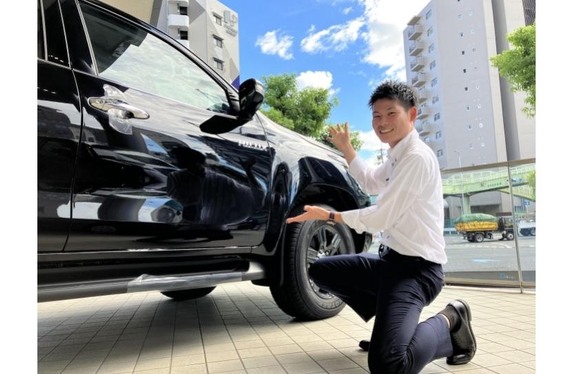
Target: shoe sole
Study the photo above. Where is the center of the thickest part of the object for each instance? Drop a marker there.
(465, 360)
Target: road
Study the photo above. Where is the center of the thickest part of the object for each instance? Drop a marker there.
(489, 255)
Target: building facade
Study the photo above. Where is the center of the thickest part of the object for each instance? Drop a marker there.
(207, 27)
(467, 113)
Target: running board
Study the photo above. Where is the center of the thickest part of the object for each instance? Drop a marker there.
(147, 282)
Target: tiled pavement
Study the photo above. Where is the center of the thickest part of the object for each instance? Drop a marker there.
(239, 329)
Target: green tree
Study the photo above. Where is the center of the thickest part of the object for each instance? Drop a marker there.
(304, 111)
(354, 138)
(518, 64)
(531, 182)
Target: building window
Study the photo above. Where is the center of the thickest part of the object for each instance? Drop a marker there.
(434, 82)
(183, 35)
(435, 99)
(468, 108)
(465, 88)
(427, 139)
(428, 14)
(431, 48)
(470, 127)
(218, 41)
(218, 19)
(461, 34)
(465, 71)
(218, 64)
(463, 52)
(437, 116)
(183, 10)
(460, 16)
(438, 134)
(432, 65)
(430, 31)
(440, 152)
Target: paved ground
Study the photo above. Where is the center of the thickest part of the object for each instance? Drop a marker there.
(239, 329)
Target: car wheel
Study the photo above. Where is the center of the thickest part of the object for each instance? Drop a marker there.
(188, 294)
(532, 231)
(305, 242)
(478, 237)
(509, 236)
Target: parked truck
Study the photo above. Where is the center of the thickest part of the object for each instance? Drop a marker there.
(476, 227)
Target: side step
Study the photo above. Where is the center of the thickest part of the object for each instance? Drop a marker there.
(147, 282)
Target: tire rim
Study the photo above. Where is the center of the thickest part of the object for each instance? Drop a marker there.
(325, 241)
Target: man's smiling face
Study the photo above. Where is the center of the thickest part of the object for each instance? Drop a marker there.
(391, 122)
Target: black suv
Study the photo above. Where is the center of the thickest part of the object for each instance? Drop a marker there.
(154, 173)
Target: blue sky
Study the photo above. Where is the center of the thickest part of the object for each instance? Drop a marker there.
(345, 46)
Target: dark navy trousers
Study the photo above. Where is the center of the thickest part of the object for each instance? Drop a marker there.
(393, 288)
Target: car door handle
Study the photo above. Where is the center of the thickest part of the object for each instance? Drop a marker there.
(122, 109)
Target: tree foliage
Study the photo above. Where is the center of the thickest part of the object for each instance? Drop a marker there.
(304, 111)
(531, 182)
(518, 64)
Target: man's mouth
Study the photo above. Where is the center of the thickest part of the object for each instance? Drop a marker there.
(382, 131)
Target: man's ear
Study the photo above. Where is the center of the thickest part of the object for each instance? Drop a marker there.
(413, 112)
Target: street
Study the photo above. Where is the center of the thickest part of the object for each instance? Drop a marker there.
(489, 255)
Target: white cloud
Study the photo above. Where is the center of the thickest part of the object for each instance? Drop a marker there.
(273, 43)
(319, 79)
(335, 38)
(385, 22)
(381, 27)
(371, 142)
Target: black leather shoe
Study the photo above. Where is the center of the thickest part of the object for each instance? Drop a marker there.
(364, 344)
(463, 339)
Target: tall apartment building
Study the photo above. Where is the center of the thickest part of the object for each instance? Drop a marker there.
(468, 115)
(207, 27)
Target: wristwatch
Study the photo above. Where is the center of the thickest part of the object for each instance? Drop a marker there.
(331, 217)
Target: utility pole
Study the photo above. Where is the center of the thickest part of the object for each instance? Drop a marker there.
(462, 179)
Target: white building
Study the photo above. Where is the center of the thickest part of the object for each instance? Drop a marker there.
(468, 116)
(207, 27)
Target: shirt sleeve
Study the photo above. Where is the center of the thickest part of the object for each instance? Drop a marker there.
(371, 179)
(400, 194)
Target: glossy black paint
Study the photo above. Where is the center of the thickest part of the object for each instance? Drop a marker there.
(177, 183)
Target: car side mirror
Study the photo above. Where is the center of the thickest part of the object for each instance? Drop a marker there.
(251, 95)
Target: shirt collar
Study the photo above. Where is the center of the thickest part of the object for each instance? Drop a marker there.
(399, 148)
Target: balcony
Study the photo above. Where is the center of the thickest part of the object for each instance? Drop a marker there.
(414, 32)
(422, 97)
(415, 48)
(180, 2)
(178, 21)
(414, 20)
(418, 80)
(423, 112)
(417, 64)
(423, 128)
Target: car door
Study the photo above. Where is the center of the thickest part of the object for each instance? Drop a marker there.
(59, 125)
(163, 162)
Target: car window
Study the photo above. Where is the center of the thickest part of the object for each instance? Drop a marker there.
(135, 58)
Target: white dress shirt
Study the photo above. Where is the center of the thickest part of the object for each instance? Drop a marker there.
(409, 207)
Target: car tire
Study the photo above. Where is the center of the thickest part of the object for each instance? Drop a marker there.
(188, 294)
(532, 231)
(509, 236)
(478, 237)
(305, 242)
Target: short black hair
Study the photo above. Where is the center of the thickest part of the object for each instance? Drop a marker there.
(395, 90)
